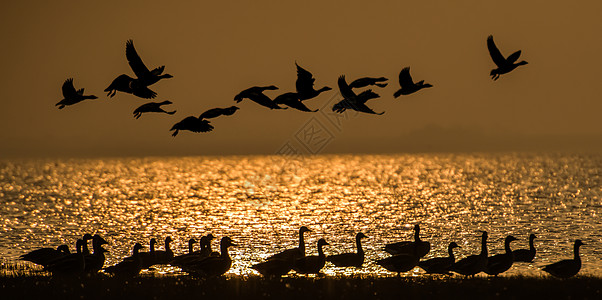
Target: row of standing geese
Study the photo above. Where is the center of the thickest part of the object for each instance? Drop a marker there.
(405, 256)
(305, 90)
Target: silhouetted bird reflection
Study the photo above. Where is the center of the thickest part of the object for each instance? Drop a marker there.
(256, 95)
(71, 96)
(353, 101)
(366, 81)
(407, 84)
(193, 124)
(305, 85)
(216, 112)
(292, 100)
(152, 107)
(504, 65)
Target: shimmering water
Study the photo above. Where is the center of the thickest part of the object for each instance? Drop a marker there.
(261, 201)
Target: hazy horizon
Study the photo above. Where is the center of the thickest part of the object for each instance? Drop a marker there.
(215, 50)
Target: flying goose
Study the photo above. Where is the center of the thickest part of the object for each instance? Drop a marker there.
(213, 266)
(312, 264)
(473, 264)
(43, 256)
(193, 124)
(130, 266)
(152, 107)
(294, 253)
(71, 96)
(305, 85)
(440, 265)
(366, 81)
(407, 84)
(350, 259)
(127, 84)
(256, 95)
(292, 100)
(500, 263)
(216, 112)
(145, 76)
(568, 267)
(526, 255)
(407, 247)
(504, 65)
(353, 101)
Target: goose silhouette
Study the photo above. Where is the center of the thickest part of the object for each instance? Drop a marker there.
(69, 265)
(292, 100)
(145, 76)
(152, 107)
(401, 262)
(127, 84)
(526, 255)
(96, 260)
(566, 268)
(353, 101)
(213, 266)
(72, 96)
(473, 264)
(164, 256)
(193, 124)
(147, 259)
(305, 85)
(312, 264)
(350, 259)
(256, 95)
(407, 247)
(129, 266)
(502, 262)
(274, 267)
(294, 253)
(216, 112)
(440, 265)
(504, 65)
(407, 84)
(44, 256)
(366, 81)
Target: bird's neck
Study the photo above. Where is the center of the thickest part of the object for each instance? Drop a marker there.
(531, 245)
(167, 249)
(450, 251)
(301, 243)
(224, 250)
(484, 247)
(190, 247)
(576, 250)
(417, 235)
(320, 251)
(152, 247)
(358, 243)
(507, 247)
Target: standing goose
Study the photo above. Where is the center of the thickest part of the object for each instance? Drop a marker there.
(294, 253)
(407, 247)
(526, 255)
(182, 258)
(353, 101)
(440, 265)
(96, 260)
(216, 112)
(568, 267)
(312, 264)
(71, 96)
(164, 256)
(504, 65)
(152, 107)
(502, 262)
(213, 266)
(305, 85)
(127, 84)
(471, 265)
(147, 259)
(292, 100)
(69, 265)
(44, 256)
(366, 81)
(145, 76)
(350, 259)
(193, 124)
(400, 262)
(407, 84)
(256, 95)
(130, 266)
(274, 267)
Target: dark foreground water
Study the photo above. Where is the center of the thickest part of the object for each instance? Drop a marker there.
(261, 201)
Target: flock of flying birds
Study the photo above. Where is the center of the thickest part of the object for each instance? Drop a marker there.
(305, 90)
(405, 256)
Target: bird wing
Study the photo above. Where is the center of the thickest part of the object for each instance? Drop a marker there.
(363, 108)
(305, 80)
(404, 77)
(513, 57)
(495, 53)
(345, 89)
(158, 70)
(68, 89)
(144, 92)
(134, 60)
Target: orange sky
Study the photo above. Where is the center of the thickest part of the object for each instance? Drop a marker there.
(214, 50)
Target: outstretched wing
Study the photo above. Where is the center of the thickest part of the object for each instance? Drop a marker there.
(363, 108)
(346, 91)
(69, 89)
(305, 80)
(404, 77)
(134, 60)
(144, 92)
(513, 57)
(80, 92)
(495, 53)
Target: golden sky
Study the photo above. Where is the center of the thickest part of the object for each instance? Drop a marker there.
(215, 50)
